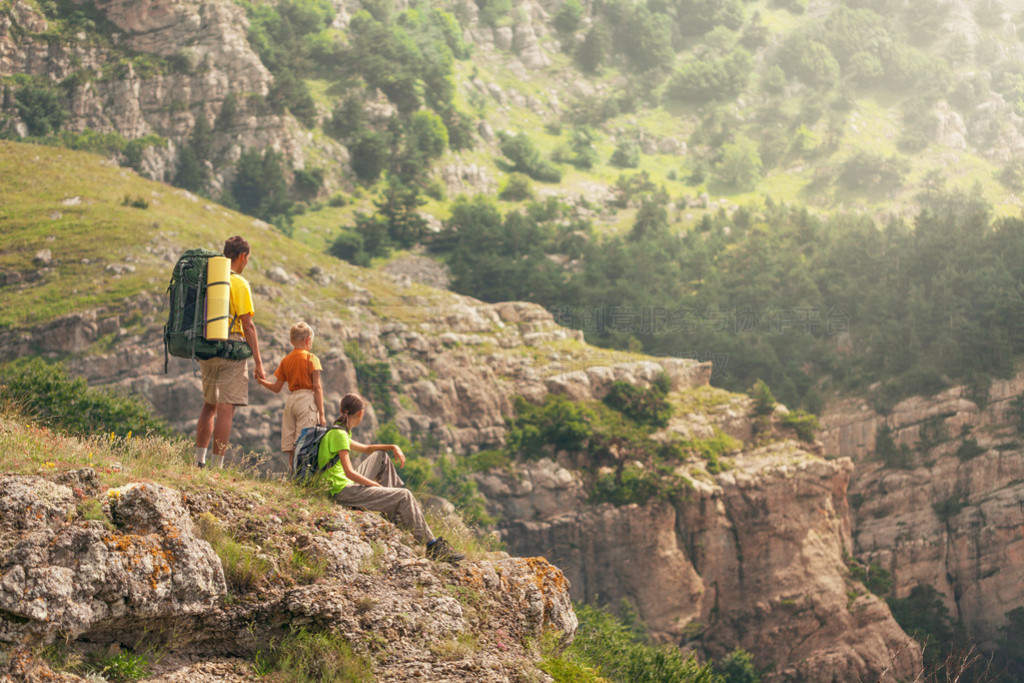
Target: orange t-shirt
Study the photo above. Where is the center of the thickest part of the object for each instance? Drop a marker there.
(297, 369)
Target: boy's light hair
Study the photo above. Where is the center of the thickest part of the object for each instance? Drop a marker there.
(300, 332)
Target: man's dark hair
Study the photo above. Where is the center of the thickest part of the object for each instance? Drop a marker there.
(235, 247)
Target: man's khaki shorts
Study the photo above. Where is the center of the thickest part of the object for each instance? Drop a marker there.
(299, 412)
(225, 381)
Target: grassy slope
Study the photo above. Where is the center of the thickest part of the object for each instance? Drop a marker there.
(98, 230)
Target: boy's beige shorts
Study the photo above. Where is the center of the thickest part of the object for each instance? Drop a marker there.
(299, 412)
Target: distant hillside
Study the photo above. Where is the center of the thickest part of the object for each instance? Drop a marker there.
(356, 129)
(840, 105)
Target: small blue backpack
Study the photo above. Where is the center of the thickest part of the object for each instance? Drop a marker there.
(307, 451)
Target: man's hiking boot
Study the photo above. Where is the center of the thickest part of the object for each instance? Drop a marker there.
(441, 550)
(201, 465)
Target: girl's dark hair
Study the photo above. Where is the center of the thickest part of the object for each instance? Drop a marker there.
(350, 405)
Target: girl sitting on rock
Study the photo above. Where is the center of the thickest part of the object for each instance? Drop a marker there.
(374, 484)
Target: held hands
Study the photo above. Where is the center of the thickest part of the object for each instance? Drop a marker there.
(258, 373)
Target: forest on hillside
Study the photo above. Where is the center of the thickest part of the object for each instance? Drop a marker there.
(810, 305)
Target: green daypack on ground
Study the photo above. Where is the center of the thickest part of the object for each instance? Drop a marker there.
(183, 333)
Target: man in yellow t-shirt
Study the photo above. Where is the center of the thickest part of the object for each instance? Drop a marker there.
(225, 383)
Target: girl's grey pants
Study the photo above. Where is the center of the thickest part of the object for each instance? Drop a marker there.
(390, 498)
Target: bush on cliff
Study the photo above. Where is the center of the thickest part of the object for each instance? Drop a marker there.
(613, 649)
(46, 393)
(645, 406)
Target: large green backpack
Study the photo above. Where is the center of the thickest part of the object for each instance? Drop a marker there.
(183, 333)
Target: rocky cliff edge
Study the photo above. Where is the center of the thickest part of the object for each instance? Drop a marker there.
(137, 574)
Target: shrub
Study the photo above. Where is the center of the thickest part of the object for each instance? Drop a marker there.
(375, 381)
(48, 395)
(1011, 643)
(634, 484)
(135, 202)
(740, 164)
(449, 478)
(526, 159)
(969, 449)
(711, 450)
(567, 18)
(696, 17)
(259, 187)
(40, 108)
(626, 154)
(764, 401)
(809, 60)
(580, 151)
(427, 135)
(305, 655)
(493, 11)
(133, 149)
(368, 155)
(308, 182)
(348, 246)
(557, 422)
(594, 49)
(951, 505)
(889, 453)
(517, 188)
(617, 651)
(722, 79)
(482, 461)
(738, 666)
(125, 666)
(804, 424)
(645, 406)
(925, 617)
(875, 578)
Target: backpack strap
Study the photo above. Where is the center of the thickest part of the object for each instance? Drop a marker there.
(195, 318)
(336, 458)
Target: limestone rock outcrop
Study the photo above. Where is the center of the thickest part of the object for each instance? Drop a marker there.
(207, 39)
(138, 574)
(752, 559)
(945, 512)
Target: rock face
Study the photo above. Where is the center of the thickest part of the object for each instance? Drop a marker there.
(207, 39)
(949, 514)
(752, 560)
(139, 574)
(82, 579)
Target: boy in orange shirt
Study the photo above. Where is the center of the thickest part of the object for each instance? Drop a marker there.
(304, 406)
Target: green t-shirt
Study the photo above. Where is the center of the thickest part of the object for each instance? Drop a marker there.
(335, 441)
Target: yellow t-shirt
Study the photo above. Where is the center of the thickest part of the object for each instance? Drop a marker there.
(240, 302)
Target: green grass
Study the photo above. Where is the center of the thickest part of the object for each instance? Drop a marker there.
(86, 237)
(306, 655)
